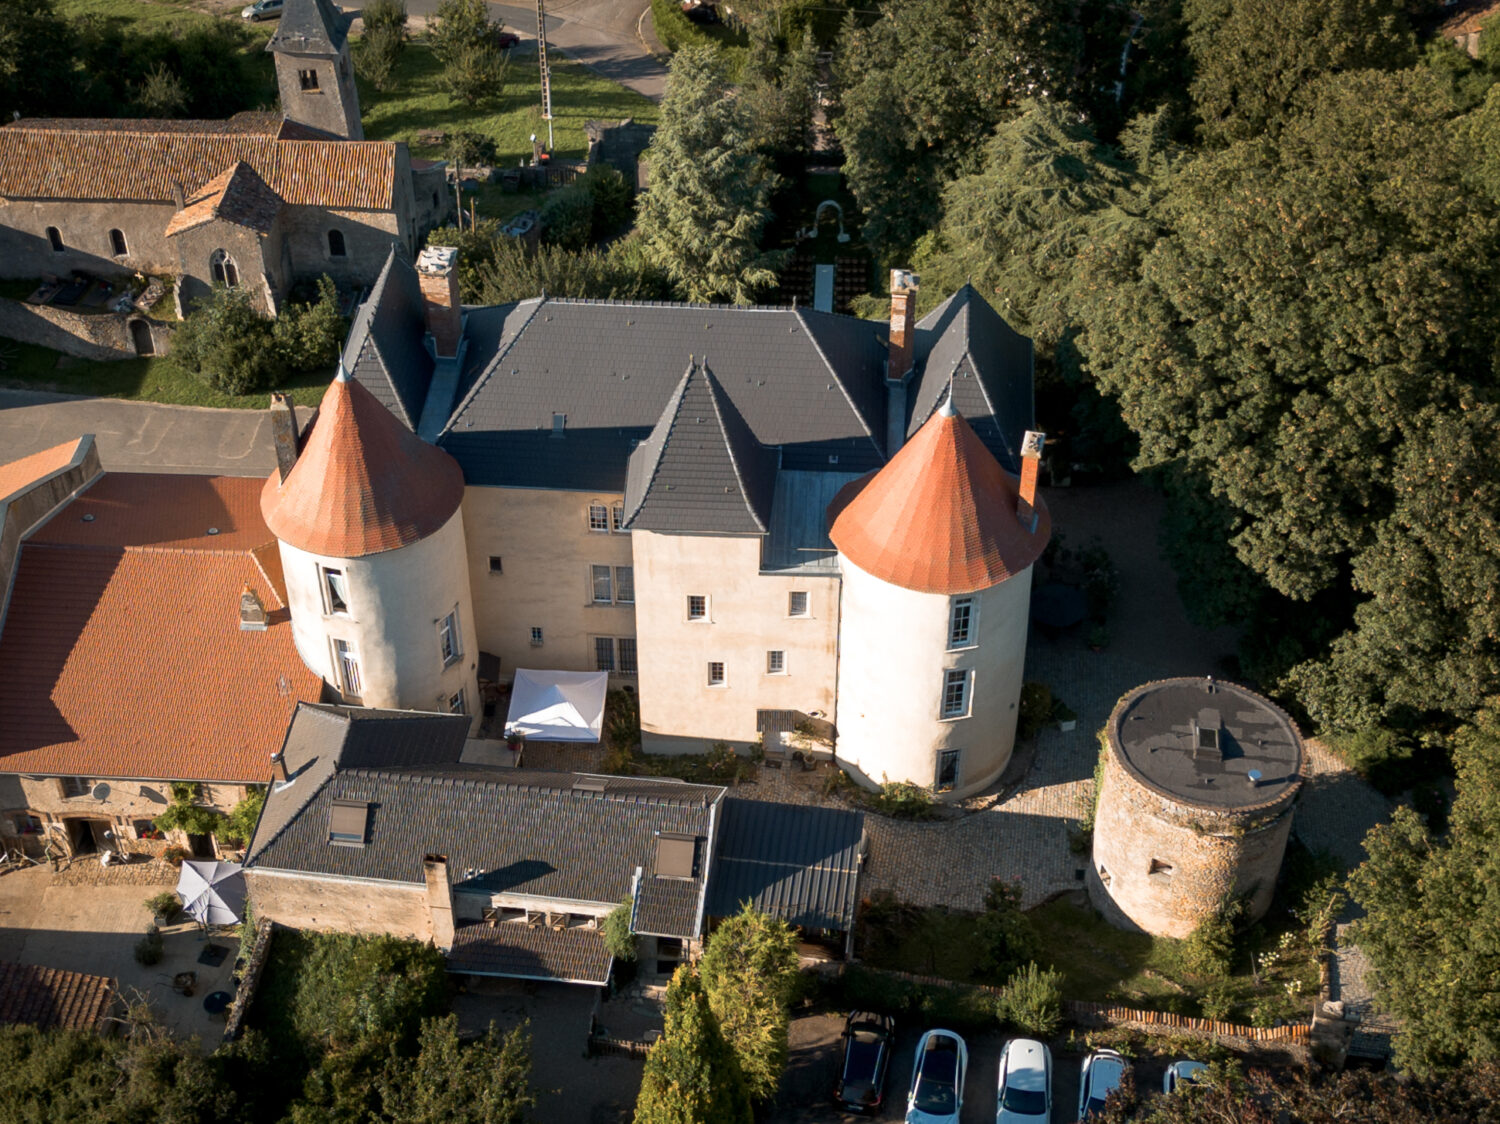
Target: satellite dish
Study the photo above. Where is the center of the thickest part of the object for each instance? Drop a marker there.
(100, 792)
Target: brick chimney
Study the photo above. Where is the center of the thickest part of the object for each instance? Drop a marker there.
(252, 611)
(284, 432)
(903, 323)
(1031, 462)
(439, 899)
(437, 270)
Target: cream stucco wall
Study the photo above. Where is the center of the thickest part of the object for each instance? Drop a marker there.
(747, 617)
(396, 599)
(894, 650)
(543, 540)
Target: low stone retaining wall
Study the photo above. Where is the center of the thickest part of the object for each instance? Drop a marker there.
(244, 994)
(88, 335)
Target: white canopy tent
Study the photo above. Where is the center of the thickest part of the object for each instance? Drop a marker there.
(557, 706)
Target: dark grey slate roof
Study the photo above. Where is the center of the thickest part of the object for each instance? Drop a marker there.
(796, 862)
(611, 366)
(518, 831)
(989, 364)
(521, 951)
(385, 350)
(701, 470)
(310, 27)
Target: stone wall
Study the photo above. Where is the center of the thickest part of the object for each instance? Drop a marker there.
(127, 810)
(368, 239)
(88, 335)
(26, 251)
(22, 511)
(340, 904)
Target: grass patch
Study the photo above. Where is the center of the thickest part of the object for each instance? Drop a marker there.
(25, 366)
(417, 103)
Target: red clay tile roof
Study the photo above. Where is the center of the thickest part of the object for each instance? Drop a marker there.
(251, 122)
(237, 195)
(122, 654)
(28, 470)
(51, 997)
(1469, 19)
(364, 482)
(940, 517)
(85, 163)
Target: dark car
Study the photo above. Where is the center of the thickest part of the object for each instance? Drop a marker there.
(867, 1056)
(505, 40)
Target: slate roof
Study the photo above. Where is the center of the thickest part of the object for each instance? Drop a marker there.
(385, 350)
(237, 196)
(50, 998)
(965, 343)
(796, 862)
(363, 483)
(122, 655)
(701, 469)
(72, 160)
(520, 951)
(522, 832)
(310, 27)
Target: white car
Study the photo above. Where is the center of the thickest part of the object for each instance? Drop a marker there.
(1182, 1075)
(263, 10)
(1102, 1073)
(1024, 1094)
(937, 1079)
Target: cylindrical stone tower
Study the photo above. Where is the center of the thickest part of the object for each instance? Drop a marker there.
(935, 550)
(1196, 804)
(372, 548)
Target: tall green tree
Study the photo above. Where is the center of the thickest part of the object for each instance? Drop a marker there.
(465, 42)
(1254, 59)
(691, 1074)
(450, 1082)
(382, 42)
(1432, 917)
(749, 969)
(708, 204)
(36, 57)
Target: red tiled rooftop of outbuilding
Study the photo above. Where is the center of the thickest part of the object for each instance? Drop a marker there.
(28, 470)
(52, 997)
(363, 483)
(940, 517)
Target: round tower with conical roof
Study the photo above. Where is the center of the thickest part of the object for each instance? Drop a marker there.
(936, 551)
(371, 538)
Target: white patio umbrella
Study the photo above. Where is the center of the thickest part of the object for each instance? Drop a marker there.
(212, 892)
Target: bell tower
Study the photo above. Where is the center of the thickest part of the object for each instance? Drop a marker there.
(313, 71)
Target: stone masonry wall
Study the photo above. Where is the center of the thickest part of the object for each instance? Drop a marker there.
(28, 508)
(97, 335)
(340, 905)
(1162, 866)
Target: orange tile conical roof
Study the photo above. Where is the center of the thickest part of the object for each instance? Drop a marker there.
(940, 517)
(364, 483)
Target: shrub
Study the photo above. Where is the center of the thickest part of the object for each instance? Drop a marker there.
(1032, 1000)
(721, 761)
(1208, 952)
(164, 905)
(467, 148)
(239, 826)
(614, 200)
(568, 217)
(903, 800)
(382, 42)
(1101, 580)
(227, 343)
(619, 938)
(1383, 757)
(148, 949)
(1006, 936)
(1035, 710)
(308, 335)
(176, 854)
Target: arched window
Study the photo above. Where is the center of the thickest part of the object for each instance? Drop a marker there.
(55, 237)
(335, 243)
(223, 268)
(117, 243)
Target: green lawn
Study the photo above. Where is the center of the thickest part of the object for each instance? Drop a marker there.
(26, 366)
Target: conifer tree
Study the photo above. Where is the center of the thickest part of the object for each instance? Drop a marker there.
(749, 969)
(691, 1074)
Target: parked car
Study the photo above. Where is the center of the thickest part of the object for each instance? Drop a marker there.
(263, 10)
(937, 1079)
(505, 40)
(699, 12)
(1024, 1093)
(867, 1058)
(1102, 1071)
(1182, 1074)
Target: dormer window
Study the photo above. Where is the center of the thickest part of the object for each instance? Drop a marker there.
(676, 856)
(348, 823)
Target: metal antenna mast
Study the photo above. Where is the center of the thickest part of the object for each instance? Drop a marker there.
(541, 54)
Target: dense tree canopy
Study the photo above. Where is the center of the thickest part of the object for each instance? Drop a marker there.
(691, 1074)
(749, 968)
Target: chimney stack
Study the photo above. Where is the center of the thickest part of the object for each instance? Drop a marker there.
(284, 433)
(252, 611)
(437, 270)
(1031, 460)
(903, 321)
(279, 760)
(439, 899)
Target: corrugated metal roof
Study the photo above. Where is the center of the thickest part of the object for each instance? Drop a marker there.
(796, 862)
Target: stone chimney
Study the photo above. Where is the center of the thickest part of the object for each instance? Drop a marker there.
(1031, 462)
(284, 433)
(278, 759)
(903, 323)
(252, 611)
(439, 899)
(437, 270)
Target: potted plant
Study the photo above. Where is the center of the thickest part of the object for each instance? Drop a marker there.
(1063, 715)
(163, 906)
(515, 741)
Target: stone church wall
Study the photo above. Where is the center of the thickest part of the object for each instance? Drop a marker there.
(25, 251)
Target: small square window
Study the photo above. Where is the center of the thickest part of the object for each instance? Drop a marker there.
(715, 674)
(776, 662)
(458, 702)
(308, 79)
(536, 637)
(955, 693)
(697, 607)
(75, 786)
(449, 642)
(604, 653)
(598, 517)
(947, 770)
(625, 585)
(603, 584)
(496, 565)
(628, 665)
(796, 604)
